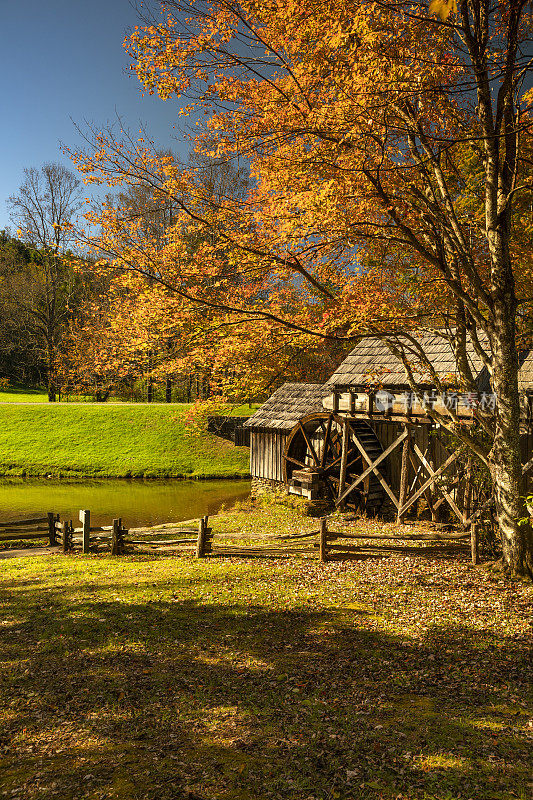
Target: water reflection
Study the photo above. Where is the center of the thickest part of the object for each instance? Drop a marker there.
(137, 502)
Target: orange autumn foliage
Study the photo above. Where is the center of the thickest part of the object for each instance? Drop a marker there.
(390, 178)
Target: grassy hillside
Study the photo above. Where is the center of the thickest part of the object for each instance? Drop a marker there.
(112, 441)
(23, 395)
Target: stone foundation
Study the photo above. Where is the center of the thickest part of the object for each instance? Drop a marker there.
(263, 485)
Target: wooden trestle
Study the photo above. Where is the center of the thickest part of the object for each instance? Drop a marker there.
(426, 476)
(344, 454)
(346, 462)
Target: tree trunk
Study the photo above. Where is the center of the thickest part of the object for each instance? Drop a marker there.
(51, 382)
(505, 456)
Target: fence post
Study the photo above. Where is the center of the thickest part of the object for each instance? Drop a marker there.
(201, 542)
(323, 540)
(120, 538)
(85, 519)
(115, 541)
(66, 530)
(52, 528)
(474, 546)
(208, 544)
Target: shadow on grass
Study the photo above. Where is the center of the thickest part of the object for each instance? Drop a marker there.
(168, 699)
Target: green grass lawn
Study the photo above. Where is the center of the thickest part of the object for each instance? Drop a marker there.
(112, 440)
(23, 395)
(164, 678)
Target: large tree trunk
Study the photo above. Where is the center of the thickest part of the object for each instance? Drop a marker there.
(505, 456)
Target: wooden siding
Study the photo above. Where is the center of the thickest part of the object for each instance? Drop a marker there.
(266, 455)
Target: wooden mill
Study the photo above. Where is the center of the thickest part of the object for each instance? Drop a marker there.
(364, 440)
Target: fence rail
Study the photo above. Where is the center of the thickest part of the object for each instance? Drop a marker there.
(29, 529)
(202, 542)
(326, 542)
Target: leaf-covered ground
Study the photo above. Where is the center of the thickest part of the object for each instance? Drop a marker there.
(161, 678)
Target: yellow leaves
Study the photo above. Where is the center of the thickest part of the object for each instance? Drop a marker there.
(443, 8)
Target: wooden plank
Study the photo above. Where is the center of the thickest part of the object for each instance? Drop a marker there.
(53, 520)
(422, 537)
(23, 522)
(202, 536)
(244, 551)
(13, 537)
(96, 529)
(374, 465)
(162, 541)
(323, 540)
(417, 469)
(251, 457)
(389, 548)
(474, 548)
(85, 519)
(325, 446)
(449, 461)
(404, 475)
(38, 529)
(268, 454)
(115, 546)
(345, 548)
(468, 489)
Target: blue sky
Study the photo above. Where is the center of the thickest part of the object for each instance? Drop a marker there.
(62, 60)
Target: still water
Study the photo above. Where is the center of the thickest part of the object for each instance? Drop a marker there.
(138, 502)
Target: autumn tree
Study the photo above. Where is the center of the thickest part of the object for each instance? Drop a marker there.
(20, 355)
(45, 209)
(389, 152)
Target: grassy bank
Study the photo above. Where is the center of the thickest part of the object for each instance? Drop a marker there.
(164, 678)
(112, 441)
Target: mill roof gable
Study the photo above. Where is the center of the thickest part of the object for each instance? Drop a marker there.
(371, 363)
(287, 405)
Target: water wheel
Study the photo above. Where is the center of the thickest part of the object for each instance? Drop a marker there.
(313, 460)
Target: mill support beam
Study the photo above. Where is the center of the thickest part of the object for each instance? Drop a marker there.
(404, 475)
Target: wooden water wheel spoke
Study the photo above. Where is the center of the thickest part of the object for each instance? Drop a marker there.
(295, 461)
(309, 444)
(332, 465)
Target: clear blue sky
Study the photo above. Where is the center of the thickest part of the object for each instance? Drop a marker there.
(62, 60)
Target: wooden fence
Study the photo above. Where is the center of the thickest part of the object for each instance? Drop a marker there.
(328, 542)
(64, 534)
(30, 529)
(88, 536)
(202, 543)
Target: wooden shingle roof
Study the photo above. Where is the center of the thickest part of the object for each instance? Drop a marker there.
(288, 404)
(372, 363)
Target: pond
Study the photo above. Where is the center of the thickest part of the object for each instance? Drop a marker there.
(138, 502)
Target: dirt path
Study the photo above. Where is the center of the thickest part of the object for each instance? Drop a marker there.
(28, 551)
